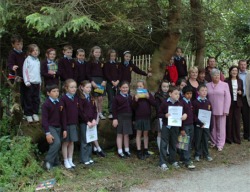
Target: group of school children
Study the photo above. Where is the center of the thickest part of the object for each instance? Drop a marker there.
(82, 105)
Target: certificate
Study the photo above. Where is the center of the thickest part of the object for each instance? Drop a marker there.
(175, 116)
(205, 117)
(91, 134)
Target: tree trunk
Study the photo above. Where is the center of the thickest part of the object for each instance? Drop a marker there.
(199, 31)
(167, 46)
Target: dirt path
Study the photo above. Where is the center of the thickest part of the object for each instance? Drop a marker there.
(233, 178)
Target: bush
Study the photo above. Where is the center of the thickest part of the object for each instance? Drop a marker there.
(18, 166)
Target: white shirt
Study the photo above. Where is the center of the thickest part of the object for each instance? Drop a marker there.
(31, 71)
(235, 89)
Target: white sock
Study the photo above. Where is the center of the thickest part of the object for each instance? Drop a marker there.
(126, 149)
(71, 162)
(159, 142)
(99, 149)
(95, 149)
(120, 151)
(67, 164)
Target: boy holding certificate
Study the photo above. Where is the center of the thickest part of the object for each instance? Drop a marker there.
(173, 108)
(187, 128)
(201, 130)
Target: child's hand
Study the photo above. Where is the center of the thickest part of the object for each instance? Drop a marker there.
(94, 122)
(64, 134)
(89, 124)
(115, 123)
(239, 92)
(103, 83)
(184, 117)
(149, 75)
(136, 97)
(51, 72)
(116, 83)
(27, 84)
(14, 67)
(93, 84)
(49, 138)
(173, 83)
(167, 115)
(183, 133)
(147, 95)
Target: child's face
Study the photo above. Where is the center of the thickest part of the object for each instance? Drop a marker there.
(188, 95)
(183, 84)
(164, 87)
(68, 52)
(127, 57)
(112, 56)
(54, 93)
(140, 85)
(51, 55)
(18, 45)
(124, 88)
(87, 88)
(80, 56)
(97, 53)
(35, 52)
(175, 95)
(71, 89)
(178, 52)
(201, 76)
(203, 92)
(172, 60)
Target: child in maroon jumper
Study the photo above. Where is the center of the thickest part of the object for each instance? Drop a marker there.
(201, 134)
(51, 123)
(15, 64)
(112, 72)
(81, 65)
(127, 67)
(142, 107)
(96, 77)
(180, 63)
(69, 121)
(122, 118)
(160, 96)
(67, 68)
(49, 68)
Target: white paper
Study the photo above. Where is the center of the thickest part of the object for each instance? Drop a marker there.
(175, 116)
(91, 134)
(205, 117)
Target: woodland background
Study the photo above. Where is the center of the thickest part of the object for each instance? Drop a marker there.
(219, 28)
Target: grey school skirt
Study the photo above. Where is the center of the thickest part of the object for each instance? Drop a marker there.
(125, 124)
(143, 124)
(72, 135)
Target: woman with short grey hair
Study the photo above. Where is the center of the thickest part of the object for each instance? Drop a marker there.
(220, 98)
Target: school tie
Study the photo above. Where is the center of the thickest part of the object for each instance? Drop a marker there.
(55, 102)
(126, 63)
(88, 98)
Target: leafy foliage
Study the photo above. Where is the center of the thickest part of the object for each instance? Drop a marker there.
(18, 167)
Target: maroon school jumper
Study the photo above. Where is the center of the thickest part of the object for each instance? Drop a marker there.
(82, 71)
(127, 70)
(48, 78)
(16, 58)
(67, 69)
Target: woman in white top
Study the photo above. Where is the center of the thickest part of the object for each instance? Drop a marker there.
(233, 120)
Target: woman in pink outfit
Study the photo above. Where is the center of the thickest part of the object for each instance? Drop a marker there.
(220, 98)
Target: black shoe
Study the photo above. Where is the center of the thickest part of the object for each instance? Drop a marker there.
(122, 156)
(127, 154)
(140, 155)
(146, 154)
(101, 154)
(95, 152)
(228, 141)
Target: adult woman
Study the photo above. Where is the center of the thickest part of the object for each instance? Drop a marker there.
(220, 98)
(192, 81)
(233, 120)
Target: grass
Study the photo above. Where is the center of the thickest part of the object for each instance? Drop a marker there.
(115, 174)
